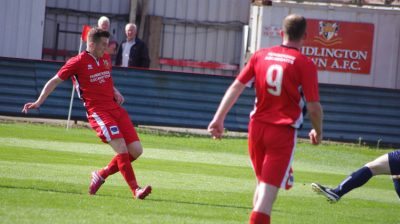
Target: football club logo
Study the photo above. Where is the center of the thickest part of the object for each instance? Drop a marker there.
(328, 34)
(114, 130)
(339, 46)
(328, 30)
(106, 64)
(89, 67)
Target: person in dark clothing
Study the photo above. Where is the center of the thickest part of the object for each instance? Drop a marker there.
(132, 52)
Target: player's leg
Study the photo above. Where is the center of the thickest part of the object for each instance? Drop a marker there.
(266, 197)
(130, 135)
(394, 164)
(274, 171)
(396, 183)
(256, 152)
(380, 165)
(132, 141)
(124, 163)
(360, 177)
(106, 129)
(357, 179)
(107, 126)
(113, 167)
(134, 147)
(255, 196)
(135, 150)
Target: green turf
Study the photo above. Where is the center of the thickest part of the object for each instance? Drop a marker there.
(44, 176)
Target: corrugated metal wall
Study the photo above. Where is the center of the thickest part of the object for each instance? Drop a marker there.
(385, 71)
(21, 25)
(73, 14)
(190, 100)
(201, 30)
(98, 6)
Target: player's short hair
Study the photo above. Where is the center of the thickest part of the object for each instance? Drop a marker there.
(102, 20)
(294, 27)
(95, 34)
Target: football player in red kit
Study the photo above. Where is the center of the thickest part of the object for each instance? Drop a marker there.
(285, 81)
(90, 72)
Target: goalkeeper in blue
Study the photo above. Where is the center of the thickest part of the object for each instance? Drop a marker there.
(388, 164)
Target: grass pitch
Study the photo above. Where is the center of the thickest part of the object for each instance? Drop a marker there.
(44, 177)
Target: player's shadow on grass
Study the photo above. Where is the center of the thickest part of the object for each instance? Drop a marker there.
(118, 196)
(198, 203)
(42, 189)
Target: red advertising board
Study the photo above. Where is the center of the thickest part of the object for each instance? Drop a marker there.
(340, 46)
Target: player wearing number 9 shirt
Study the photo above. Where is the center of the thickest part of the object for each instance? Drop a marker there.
(285, 81)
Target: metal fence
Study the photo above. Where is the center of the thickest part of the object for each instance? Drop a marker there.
(371, 3)
(352, 114)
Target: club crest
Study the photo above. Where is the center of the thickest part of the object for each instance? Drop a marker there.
(328, 34)
(106, 64)
(328, 29)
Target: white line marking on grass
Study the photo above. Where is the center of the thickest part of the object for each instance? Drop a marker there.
(57, 146)
(217, 158)
(75, 174)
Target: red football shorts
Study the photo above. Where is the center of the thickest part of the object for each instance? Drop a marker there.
(113, 124)
(271, 150)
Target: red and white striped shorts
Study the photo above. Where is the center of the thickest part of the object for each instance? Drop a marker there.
(271, 149)
(113, 124)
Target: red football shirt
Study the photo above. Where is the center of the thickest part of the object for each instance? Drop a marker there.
(282, 76)
(92, 79)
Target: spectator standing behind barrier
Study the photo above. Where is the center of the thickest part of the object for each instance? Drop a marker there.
(104, 24)
(132, 52)
(282, 76)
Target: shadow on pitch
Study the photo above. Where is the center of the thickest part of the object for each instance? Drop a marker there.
(123, 197)
(198, 203)
(42, 189)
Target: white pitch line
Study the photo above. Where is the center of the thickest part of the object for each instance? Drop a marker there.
(216, 158)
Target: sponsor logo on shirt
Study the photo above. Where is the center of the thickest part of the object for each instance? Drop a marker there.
(89, 67)
(100, 77)
(114, 130)
(280, 57)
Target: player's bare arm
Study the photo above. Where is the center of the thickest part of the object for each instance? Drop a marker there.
(315, 112)
(47, 89)
(216, 126)
(118, 96)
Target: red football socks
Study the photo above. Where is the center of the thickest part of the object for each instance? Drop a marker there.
(112, 167)
(259, 218)
(125, 167)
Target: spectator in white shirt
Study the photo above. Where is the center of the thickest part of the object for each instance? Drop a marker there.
(132, 52)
